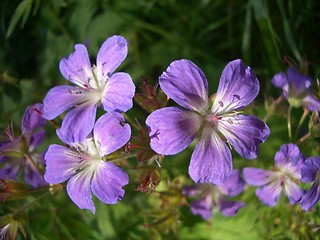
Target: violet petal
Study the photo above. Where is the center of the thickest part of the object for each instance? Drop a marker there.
(111, 132)
(186, 84)
(36, 139)
(78, 188)
(172, 129)
(211, 159)
(293, 191)
(270, 193)
(34, 177)
(107, 183)
(32, 118)
(78, 123)
(299, 82)
(229, 208)
(60, 99)
(244, 133)
(111, 54)
(288, 153)
(202, 206)
(310, 169)
(233, 185)
(237, 88)
(280, 80)
(61, 163)
(9, 170)
(311, 197)
(256, 176)
(191, 190)
(118, 93)
(311, 103)
(77, 67)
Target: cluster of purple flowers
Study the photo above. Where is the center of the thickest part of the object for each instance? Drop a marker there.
(18, 155)
(296, 88)
(208, 195)
(94, 86)
(84, 162)
(291, 167)
(215, 122)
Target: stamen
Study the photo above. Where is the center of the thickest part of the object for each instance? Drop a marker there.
(76, 81)
(230, 121)
(155, 135)
(213, 120)
(37, 110)
(235, 99)
(76, 91)
(9, 132)
(236, 96)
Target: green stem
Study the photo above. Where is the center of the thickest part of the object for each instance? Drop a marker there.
(29, 204)
(54, 124)
(289, 123)
(276, 102)
(303, 117)
(56, 20)
(40, 189)
(303, 138)
(121, 157)
(131, 122)
(32, 162)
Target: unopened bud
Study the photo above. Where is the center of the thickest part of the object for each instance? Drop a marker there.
(11, 189)
(141, 145)
(149, 180)
(24, 144)
(150, 98)
(314, 124)
(9, 227)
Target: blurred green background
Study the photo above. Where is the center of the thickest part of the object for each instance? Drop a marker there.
(36, 34)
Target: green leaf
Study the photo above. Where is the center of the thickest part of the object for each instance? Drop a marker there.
(21, 12)
(288, 33)
(267, 32)
(246, 35)
(13, 92)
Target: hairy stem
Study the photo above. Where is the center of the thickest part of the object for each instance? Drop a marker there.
(29, 204)
(131, 122)
(303, 117)
(289, 123)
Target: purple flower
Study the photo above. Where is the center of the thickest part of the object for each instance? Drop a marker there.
(95, 85)
(19, 154)
(297, 89)
(310, 172)
(283, 176)
(172, 129)
(209, 195)
(85, 164)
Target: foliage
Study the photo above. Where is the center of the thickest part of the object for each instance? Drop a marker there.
(267, 35)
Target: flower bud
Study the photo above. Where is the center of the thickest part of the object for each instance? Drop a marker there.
(150, 98)
(11, 189)
(149, 179)
(9, 227)
(141, 144)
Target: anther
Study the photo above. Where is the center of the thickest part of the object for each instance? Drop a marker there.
(230, 121)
